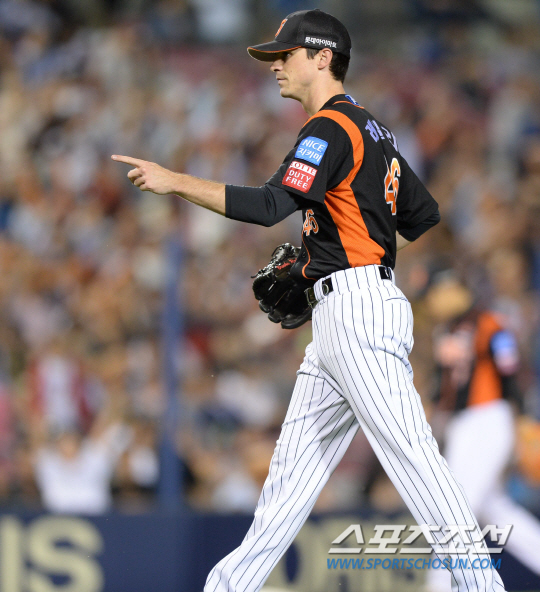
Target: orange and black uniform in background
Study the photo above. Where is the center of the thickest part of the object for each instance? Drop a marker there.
(477, 362)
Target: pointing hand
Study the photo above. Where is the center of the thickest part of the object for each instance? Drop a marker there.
(149, 176)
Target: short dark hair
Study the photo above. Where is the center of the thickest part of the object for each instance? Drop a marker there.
(338, 66)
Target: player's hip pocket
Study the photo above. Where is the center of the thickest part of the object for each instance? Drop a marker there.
(390, 291)
(398, 323)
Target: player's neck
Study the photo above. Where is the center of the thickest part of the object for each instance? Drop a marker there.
(319, 95)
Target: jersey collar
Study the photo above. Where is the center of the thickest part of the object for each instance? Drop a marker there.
(333, 100)
(339, 98)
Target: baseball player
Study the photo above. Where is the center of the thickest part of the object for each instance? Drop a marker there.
(355, 191)
(477, 362)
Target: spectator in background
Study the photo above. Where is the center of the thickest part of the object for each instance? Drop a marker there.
(221, 21)
(7, 440)
(74, 472)
(60, 391)
(81, 258)
(137, 473)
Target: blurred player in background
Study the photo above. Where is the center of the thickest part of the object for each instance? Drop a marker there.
(476, 400)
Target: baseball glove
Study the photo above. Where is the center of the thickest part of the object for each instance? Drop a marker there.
(279, 295)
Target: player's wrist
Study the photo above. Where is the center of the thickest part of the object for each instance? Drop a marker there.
(178, 184)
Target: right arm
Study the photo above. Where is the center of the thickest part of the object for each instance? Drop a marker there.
(150, 176)
(266, 205)
(274, 201)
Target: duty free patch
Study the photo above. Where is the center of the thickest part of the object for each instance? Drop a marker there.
(299, 176)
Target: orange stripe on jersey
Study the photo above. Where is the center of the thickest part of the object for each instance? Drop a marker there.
(343, 207)
(308, 262)
(485, 382)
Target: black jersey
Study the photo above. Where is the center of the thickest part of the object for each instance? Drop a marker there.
(356, 190)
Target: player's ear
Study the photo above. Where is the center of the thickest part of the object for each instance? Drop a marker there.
(325, 57)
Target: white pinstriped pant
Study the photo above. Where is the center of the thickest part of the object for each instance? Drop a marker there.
(355, 373)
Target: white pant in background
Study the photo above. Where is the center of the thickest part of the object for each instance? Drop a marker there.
(479, 442)
(356, 373)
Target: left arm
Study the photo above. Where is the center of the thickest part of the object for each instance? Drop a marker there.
(401, 242)
(417, 211)
(405, 237)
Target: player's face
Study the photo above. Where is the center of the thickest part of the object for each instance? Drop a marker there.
(294, 72)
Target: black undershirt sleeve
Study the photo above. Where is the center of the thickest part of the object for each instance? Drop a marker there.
(411, 234)
(266, 205)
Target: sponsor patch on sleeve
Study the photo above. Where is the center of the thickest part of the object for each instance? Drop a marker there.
(505, 352)
(299, 176)
(311, 149)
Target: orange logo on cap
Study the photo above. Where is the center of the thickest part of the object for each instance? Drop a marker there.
(281, 26)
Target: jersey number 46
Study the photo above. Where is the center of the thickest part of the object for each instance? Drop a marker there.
(391, 184)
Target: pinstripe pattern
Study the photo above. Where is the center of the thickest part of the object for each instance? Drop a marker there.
(355, 373)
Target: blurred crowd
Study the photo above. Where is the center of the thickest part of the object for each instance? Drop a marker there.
(83, 253)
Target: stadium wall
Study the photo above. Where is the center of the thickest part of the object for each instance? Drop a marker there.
(173, 552)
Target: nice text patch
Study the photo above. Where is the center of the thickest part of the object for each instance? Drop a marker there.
(311, 149)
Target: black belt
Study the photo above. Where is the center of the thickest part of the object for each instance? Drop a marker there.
(328, 287)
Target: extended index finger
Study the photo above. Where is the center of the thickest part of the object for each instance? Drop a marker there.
(128, 160)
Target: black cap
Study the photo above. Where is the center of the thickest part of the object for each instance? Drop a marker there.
(305, 28)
